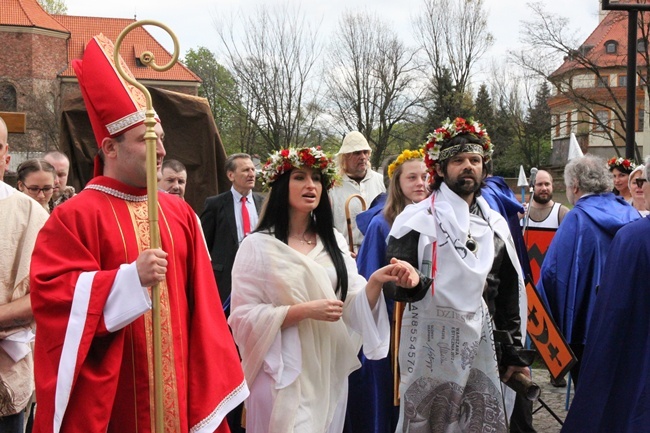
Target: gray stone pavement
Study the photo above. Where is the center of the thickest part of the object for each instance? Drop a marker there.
(554, 397)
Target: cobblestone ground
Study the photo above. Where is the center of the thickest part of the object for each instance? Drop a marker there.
(554, 398)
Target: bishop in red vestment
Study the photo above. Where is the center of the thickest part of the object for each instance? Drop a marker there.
(90, 271)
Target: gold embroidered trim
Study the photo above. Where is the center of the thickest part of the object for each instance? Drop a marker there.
(139, 215)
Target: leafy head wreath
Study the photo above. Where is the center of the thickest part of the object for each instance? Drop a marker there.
(436, 149)
(284, 160)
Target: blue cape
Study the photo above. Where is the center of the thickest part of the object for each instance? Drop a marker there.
(573, 265)
(500, 197)
(370, 400)
(614, 394)
(363, 219)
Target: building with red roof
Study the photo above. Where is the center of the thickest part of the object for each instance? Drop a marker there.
(590, 96)
(36, 74)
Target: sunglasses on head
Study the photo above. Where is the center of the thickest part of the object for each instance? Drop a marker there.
(639, 182)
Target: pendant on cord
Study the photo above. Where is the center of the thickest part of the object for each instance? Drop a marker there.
(471, 244)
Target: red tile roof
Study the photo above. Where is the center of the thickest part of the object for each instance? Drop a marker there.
(27, 13)
(612, 27)
(82, 29)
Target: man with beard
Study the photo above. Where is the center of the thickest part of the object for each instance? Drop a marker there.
(468, 267)
(356, 178)
(543, 212)
(544, 215)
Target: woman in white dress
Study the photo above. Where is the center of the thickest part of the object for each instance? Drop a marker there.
(300, 311)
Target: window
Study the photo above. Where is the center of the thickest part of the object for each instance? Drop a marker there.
(622, 80)
(610, 47)
(602, 120)
(640, 116)
(8, 101)
(640, 45)
(602, 81)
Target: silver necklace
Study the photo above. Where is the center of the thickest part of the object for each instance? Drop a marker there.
(303, 240)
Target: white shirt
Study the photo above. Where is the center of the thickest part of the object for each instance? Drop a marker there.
(370, 187)
(252, 212)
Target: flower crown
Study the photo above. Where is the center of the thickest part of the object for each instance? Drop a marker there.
(622, 164)
(433, 152)
(284, 160)
(402, 158)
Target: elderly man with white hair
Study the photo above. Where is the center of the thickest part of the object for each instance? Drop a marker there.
(573, 266)
(613, 384)
(357, 178)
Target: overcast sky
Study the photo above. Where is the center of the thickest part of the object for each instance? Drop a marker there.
(193, 20)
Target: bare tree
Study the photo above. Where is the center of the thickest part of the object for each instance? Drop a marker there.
(371, 80)
(272, 58)
(55, 7)
(454, 35)
(521, 126)
(548, 42)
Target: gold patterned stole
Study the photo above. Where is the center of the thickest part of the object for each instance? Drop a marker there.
(140, 218)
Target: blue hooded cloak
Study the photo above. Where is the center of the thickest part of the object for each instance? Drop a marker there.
(614, 391)
(573, 265)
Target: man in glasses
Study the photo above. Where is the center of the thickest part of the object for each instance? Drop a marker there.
(573, 265)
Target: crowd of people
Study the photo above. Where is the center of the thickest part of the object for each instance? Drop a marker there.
(300, 310)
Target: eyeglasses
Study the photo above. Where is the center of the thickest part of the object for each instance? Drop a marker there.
(36, 190)
(639, 182)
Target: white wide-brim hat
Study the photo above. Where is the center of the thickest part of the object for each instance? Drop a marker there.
(353, 142)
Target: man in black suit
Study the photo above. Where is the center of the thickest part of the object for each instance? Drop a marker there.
(224, 224)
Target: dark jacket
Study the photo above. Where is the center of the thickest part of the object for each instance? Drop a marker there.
(220, 229)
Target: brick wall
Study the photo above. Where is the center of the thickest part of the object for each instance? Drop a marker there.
(31, 61)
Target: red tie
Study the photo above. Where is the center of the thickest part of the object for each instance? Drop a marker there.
(246, 221)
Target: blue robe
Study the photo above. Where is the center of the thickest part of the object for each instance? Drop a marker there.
(573, 265)
(370, 398)
(614, 391)
(501, 198)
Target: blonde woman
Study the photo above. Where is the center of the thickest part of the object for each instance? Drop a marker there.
(370, 407)
(635, 183)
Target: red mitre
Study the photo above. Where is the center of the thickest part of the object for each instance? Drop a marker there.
(114, 106)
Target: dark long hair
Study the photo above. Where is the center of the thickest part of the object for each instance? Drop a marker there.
(275, 219)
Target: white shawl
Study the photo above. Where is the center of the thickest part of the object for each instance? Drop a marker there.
(446, 351)
(310, 362)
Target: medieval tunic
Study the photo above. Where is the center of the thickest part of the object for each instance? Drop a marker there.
(298, 375)
(94, 327)
(447, 358)
(20, 218)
